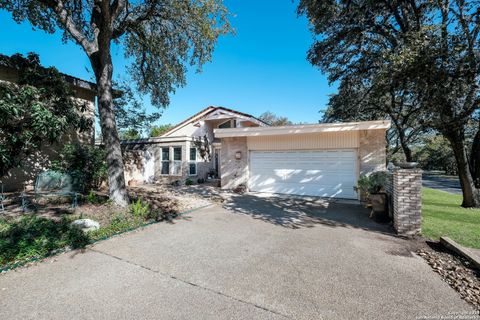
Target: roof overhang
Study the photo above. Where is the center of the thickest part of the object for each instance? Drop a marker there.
(157, 140)
(302, 129)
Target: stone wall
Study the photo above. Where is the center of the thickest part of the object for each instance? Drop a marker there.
(406, 193)
(234, 171)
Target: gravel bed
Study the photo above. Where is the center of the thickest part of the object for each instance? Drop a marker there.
(454, 270)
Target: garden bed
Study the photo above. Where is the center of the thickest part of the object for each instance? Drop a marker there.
(454, 270)
(37, 234)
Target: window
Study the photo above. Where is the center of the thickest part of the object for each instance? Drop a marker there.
(227, 124)
(177, 160)
(165, 160)
(192, 165)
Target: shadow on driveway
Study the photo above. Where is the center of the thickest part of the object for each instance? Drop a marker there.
(296, 212)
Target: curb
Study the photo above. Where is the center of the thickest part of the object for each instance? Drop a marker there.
(56, 252)
(464, 252)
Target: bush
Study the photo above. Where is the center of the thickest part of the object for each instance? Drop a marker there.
(87, 163)
(374, 183)
(188, 182)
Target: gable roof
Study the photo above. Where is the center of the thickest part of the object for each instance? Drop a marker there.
(204, 113)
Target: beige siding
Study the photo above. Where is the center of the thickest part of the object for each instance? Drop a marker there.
(327, 140)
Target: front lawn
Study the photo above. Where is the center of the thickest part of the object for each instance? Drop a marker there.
(442, 215)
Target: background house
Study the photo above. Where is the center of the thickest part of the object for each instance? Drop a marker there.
(85, 93)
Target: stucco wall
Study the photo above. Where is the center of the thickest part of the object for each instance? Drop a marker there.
(372, 151)
(134, 163)
(234, 171)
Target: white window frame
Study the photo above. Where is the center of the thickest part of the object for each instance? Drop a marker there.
(233, 124)
(190, 161)
(176, 161)
(165, 160)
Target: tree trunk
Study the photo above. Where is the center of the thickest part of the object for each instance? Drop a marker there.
(471, 195)
(475, 159)
(103, 68)
(403, 143)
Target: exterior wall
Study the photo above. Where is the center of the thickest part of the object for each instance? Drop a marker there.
(370, 146)
(327, 140)
(189, 130)
(233, 171)
(372, 151)
(24, 177)
(407, 201)
(134, 162)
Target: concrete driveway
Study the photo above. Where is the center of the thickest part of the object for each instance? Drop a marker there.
(262, 258)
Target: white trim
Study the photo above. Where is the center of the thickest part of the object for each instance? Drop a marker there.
(163, 160)
(173, 161)
(300, 129)
(190, 161)
(159, 140)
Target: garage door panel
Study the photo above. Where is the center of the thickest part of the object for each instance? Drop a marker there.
(329, 173)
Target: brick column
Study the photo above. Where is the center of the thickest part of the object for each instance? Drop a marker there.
(407, 201)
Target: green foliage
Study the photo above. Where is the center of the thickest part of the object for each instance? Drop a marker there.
(436, 154)
(188, 182)
(415, 61)
(443, 216)
(274, 120)
(162, 39)
(120, 223)
(130, 134)
(37, 110)
(139, 209)
(34, 236)
(85, 161)
(157, 131)
(373, 183)
(131, 115)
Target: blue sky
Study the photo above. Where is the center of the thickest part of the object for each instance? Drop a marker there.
(262, 67)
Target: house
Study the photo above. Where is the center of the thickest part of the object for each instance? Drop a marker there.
(323, 160)
(187, 151)
(85, 93)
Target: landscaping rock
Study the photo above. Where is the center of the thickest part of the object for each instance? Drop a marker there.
(455, 271)
(86, 225)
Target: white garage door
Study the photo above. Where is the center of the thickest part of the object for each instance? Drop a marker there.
(326, 173)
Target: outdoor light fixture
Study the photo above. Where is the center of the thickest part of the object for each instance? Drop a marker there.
(238, 155)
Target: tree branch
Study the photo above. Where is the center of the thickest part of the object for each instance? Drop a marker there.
(66, 20)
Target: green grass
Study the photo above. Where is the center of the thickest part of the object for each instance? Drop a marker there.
(442, 215)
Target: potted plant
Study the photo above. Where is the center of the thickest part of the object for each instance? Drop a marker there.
(372, 189)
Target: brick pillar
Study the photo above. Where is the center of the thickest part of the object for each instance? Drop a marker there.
(407, 201)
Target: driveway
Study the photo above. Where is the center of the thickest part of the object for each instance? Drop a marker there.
(261, 258)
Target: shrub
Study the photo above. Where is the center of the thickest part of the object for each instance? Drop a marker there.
(188, 182)
(87, 163)
(140, 209)
(374, 183)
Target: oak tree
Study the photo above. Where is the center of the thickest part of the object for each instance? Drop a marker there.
(160, 39)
